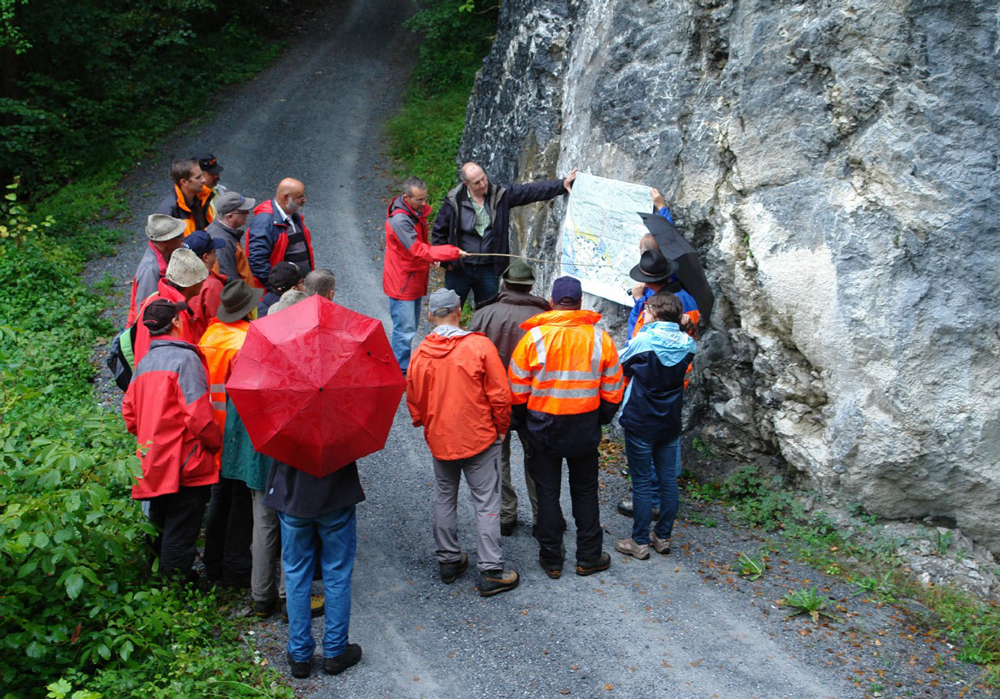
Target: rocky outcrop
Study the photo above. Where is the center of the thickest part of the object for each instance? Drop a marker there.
(837, 166)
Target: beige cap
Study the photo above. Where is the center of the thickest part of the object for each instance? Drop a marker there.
(160, 227)
(185, 268)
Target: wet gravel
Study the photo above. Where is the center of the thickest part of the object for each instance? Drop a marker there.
(684, 625)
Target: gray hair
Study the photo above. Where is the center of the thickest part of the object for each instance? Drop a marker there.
(289, 298)
(320, 281)
(411, 183)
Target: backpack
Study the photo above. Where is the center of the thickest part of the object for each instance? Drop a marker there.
(121, 358)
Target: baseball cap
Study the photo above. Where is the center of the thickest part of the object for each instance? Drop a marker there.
(567, 291)
(443, 302)
(160, 313)
(284, 276)
(208, 163)
(231, 201)
(200, 242)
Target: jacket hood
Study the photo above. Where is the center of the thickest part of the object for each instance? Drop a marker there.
(398, 206)
(667, 340)
(443, 340)
(566, 319)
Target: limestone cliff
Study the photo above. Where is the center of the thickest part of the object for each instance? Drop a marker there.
(837, 165)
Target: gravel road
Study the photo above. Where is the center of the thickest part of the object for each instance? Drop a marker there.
(660, 628)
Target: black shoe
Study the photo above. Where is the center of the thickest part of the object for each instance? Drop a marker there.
(625, 507)
(262, 610)
(603, 562)
(493, 582)
(349, 658)
(553, 570)
(451, 571)
(300, 668)
(507, 528)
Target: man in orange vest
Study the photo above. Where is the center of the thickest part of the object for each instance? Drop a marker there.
(191, 199)
(230, 519)
(566, 382)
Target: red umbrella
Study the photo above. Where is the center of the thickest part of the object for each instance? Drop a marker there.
(316, 385)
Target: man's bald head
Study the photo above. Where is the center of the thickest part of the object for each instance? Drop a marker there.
(291, 195)
(648, 242)
(474, 178)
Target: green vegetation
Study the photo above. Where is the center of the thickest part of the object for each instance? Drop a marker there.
(425, 136)
(86, 88)
(868, 560)
(808, 601)
(751, 568)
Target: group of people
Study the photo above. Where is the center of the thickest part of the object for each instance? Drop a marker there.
(537, 366)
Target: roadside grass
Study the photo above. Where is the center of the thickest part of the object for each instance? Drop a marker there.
(861, 557)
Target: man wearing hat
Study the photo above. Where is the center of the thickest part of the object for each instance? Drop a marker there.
(408, 258)
(566, 382)
(191, 199)
(230, 520)
(204, 246)
(500, 320)
(285, 276)
(165, 234)
(212, 171)
(457, 390)
(167, 408)
(229, 226)
(181, 283)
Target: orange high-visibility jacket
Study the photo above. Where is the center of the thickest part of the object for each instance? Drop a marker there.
(565, 365)
(220, 344)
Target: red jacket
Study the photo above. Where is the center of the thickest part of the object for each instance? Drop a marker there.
(192, 326)
(206, 303)
(167, 408)
(456, 387)
(268, 232)
(408, 257)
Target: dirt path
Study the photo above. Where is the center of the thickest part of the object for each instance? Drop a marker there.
(661, 628)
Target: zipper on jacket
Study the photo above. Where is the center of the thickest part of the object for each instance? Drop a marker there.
(409, 275)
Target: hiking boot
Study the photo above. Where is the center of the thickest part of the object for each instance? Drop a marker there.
(507, 528)
(262, 610)
(339, 663)
(493, 582)
(661, 546)
(451, 571)
(630, 548)
(317, 607)
(300, 668)
(625, 509)
(602, 562)
(553, 570)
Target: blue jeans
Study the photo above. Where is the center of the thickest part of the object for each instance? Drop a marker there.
(338, 533)
(405, 318)
(644, 459)
(479, 279)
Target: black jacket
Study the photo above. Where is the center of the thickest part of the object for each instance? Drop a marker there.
(300, 494)
(457, 215)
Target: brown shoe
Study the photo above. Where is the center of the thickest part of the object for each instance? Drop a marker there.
(630, 548)
(493, 582)
(661, 546)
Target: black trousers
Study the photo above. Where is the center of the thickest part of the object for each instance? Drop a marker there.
(546, 470)
(178, 517)
(228, 532)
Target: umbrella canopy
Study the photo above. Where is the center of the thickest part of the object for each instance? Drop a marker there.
(690, 272)
(316, 385)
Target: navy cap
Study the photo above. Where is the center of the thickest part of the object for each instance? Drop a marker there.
(200, 242)
(208, 163)
(567, 291)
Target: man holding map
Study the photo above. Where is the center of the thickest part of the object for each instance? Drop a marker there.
(475, 216)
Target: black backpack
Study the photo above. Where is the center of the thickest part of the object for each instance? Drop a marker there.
(121, 357)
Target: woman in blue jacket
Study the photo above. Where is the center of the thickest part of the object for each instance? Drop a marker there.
(655, 362)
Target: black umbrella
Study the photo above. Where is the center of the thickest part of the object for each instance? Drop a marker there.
(690, 272)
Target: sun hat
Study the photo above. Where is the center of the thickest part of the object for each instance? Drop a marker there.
(237, 300)
(160, 227)
(653, 267)
(185, 268)
(518, 273)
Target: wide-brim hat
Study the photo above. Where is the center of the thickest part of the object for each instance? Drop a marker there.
(518, 273)
(237, 300)
(653, 267)
(160, 227)
(185, 268)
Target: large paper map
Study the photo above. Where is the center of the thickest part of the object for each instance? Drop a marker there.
(601, 232)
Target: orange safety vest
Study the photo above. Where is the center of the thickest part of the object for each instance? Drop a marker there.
(565, 365)
(220, 344)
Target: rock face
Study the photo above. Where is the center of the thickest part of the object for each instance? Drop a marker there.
(837, 166)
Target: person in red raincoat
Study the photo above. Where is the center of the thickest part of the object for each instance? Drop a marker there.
(408, 259)
(167, 407)
(206, 303)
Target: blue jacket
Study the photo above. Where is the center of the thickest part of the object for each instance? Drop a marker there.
(655, 362)
(267, 240)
